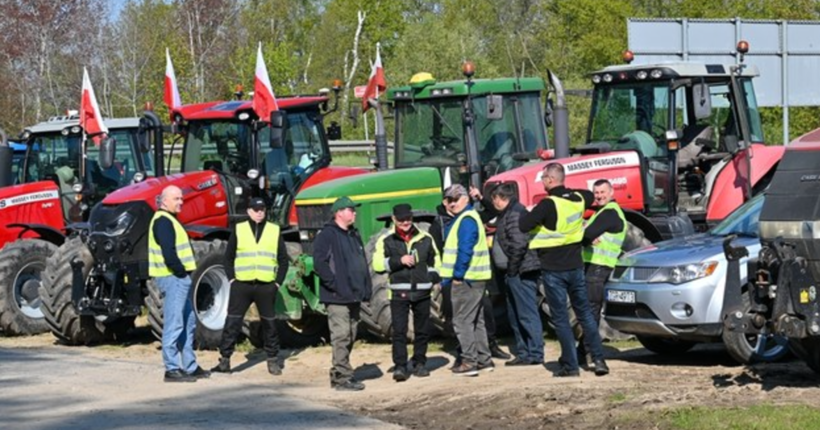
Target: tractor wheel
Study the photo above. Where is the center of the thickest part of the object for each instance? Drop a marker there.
(211, 290)
(55, 291)
(665, 346)
(21, 268)
(309, 331)
(635, 238)
(755, 348)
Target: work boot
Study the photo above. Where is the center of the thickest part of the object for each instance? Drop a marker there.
(178, 376)
(400, 374)
(200, 373)
(420, 370)
(274, 368)
(224, 365)
(600, 367)
(497, 352)
(349, 385)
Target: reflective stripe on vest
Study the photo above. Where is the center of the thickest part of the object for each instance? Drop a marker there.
(608, 248)
(479, 268)
(569, 227)
(156, 263)
(256, 261)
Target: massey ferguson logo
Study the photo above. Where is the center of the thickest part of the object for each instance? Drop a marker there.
(628, 159)
(29, 198)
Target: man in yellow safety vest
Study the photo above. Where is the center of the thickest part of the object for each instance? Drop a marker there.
(256, 263)
(170, 262)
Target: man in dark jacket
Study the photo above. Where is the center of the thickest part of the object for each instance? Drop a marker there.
(410, 257)
(521, 274)
(340, 262)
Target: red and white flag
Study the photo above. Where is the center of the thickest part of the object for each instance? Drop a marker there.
(376, 84)
(264, 102)
(90, 116)
(172, 99)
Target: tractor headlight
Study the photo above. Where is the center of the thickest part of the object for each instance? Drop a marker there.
(120, 225)
(77, 188)
(683, 273)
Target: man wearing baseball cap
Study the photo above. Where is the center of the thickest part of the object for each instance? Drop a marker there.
(256, 263)
(340, 262)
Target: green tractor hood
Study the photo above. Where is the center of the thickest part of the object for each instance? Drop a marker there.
(377, 193)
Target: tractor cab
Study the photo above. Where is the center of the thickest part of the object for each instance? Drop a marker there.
(477, 128)
(55, 151)
(686, 121)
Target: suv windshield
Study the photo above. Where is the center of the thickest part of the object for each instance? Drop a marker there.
(743, 221)
(429, 133)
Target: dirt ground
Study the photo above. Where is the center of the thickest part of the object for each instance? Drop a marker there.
(634, 396)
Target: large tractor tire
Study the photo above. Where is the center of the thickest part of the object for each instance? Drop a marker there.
(210, 288)
(755, 348)
(635, 238)
(60, 314)
(22, 263)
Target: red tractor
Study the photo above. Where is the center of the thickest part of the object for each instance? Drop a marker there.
(682, 144)
(54, 185)
(100, 277)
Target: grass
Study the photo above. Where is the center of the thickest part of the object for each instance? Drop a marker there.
(757, 417)
(352, 159)
(616, 398)
(622, 345)
(245, 346)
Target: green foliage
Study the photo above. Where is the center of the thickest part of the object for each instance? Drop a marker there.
(768, 417)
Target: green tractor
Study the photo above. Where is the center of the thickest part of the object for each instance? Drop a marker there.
(461, 131)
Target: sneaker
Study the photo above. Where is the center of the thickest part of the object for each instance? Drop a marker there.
(420, 371)
(456, 363)
(274, 368)
(600, 367)
(224, 365)
(349, 385)
(200, 373)
(497, 352)
(465, 370)
(486, 367)
(178, 376)
(564, 373)
(400, 374)
(517, 362)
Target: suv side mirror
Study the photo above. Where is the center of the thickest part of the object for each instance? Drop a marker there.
(334, 131)
(278, 123)
(702, 100)
(108, 147)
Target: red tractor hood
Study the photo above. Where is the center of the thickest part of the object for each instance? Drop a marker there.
(149, 189)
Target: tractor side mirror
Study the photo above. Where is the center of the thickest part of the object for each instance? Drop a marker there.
(278, 123)
(108, 147)
(334, 131)
(353, 116)
(702, 100)
(495, 110)
(548, 112)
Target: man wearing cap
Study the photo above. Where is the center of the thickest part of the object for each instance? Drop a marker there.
(256, 262)
(170, 262)
(340, 262)
(466, 269)
(410, 257)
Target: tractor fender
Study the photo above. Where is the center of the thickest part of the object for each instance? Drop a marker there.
(207, 232)
(47, 233)
(644, 224)
(727, 193)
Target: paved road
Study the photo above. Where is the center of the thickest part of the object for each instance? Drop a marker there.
(50, 388)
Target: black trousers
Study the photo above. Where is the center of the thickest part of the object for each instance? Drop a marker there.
(400, 311)
(596, 277)
(242, 295)
(487, 304)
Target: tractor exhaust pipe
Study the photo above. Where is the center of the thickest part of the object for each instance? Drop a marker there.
(560, 121)
(381, 137)
(6, 156)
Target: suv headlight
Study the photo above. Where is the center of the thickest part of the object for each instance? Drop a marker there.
(683, 273)
(119, 225)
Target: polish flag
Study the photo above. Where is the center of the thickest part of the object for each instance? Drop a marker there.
(172, 99)
(376, 83)
(264, 102)
(90, 117)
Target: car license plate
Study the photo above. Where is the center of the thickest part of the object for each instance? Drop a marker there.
(620, 296)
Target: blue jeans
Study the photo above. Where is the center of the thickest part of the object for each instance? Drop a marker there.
(179, 323)
(525, 321)
(559, 285)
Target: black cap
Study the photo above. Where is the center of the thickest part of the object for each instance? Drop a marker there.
(257, 203)
(402, 211)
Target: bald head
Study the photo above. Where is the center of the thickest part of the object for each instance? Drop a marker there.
(171, 199)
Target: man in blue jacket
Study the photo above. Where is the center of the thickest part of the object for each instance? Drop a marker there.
(466, 269)
(340, 262)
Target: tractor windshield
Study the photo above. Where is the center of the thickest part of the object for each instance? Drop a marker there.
(430, 133)
(53, 156)
(128, 160)
(217, 145)
(520, 129)
(621, 109)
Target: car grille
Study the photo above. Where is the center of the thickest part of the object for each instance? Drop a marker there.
(633, 274)
(313, 217)
(638, 310)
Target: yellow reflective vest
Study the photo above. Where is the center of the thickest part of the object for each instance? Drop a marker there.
(156, 263)
(256, 261)
(608, 248)
(569, 227)
(479, 269)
